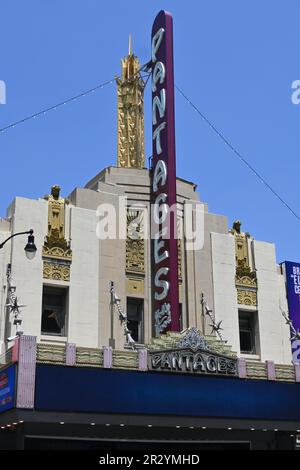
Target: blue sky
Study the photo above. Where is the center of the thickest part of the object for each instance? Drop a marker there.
(235, 60)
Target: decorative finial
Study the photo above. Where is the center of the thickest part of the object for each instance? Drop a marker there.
(130, 45)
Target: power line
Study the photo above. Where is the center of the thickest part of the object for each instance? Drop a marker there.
(143, 68)
(238, 154)
(210, 124)
(51, 108)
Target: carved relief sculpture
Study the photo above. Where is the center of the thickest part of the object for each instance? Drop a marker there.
(245, 280)
(57, 253)
(135, 244)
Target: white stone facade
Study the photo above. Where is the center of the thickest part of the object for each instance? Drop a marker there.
(90, 321)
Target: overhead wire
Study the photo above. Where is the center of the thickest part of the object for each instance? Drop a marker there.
(238, 154)
(143, 68)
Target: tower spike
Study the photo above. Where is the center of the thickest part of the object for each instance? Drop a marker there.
(130, 45)
(131, 148)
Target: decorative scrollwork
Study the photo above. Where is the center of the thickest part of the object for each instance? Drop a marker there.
(192, 340)
(56, 272)
(162, 318)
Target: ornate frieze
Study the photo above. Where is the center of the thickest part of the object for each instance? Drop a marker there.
(247, 297)
(57, 252)
(56, 271)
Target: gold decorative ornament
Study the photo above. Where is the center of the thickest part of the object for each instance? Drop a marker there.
(56, 213)
(135, 244)
(245, 280)
(56, 272)
(56, 248)
(241, 246)
(130, 91)
(246, 297)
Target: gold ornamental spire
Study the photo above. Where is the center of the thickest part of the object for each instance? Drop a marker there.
(130, 45)
(130, 89)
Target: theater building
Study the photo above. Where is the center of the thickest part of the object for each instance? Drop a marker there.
(95, 363)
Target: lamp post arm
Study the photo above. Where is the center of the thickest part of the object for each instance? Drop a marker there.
(29, 232)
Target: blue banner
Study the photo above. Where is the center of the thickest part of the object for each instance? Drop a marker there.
(78, 389)
(7, 388)
(293, 296)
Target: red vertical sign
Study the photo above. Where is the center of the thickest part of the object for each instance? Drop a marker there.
(163, 217)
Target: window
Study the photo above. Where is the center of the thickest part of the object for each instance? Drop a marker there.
(135, 314)
(54, 311)
(248, 332)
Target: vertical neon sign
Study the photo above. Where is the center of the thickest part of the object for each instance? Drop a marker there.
(163, 216)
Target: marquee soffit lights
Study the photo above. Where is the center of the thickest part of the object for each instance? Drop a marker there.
(148, 425)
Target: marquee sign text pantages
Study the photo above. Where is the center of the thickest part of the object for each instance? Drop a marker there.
(163, 219)
(186, 360)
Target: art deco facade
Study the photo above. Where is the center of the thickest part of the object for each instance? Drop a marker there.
(70, 308)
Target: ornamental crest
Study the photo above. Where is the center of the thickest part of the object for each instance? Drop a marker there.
(192, 340)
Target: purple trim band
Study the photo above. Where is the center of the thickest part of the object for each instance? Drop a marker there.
(70, 354)
(143, 359)
(271, 373)
(242, 368)
(107, 357)
(297, 372)
(26, 372)
(15, 350)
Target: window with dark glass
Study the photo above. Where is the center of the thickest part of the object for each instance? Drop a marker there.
(135, 317)
(54, 311)
(248, 332)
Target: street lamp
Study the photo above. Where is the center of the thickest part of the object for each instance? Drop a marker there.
(30, 248)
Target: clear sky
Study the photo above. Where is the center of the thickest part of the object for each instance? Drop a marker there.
(235, 59)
